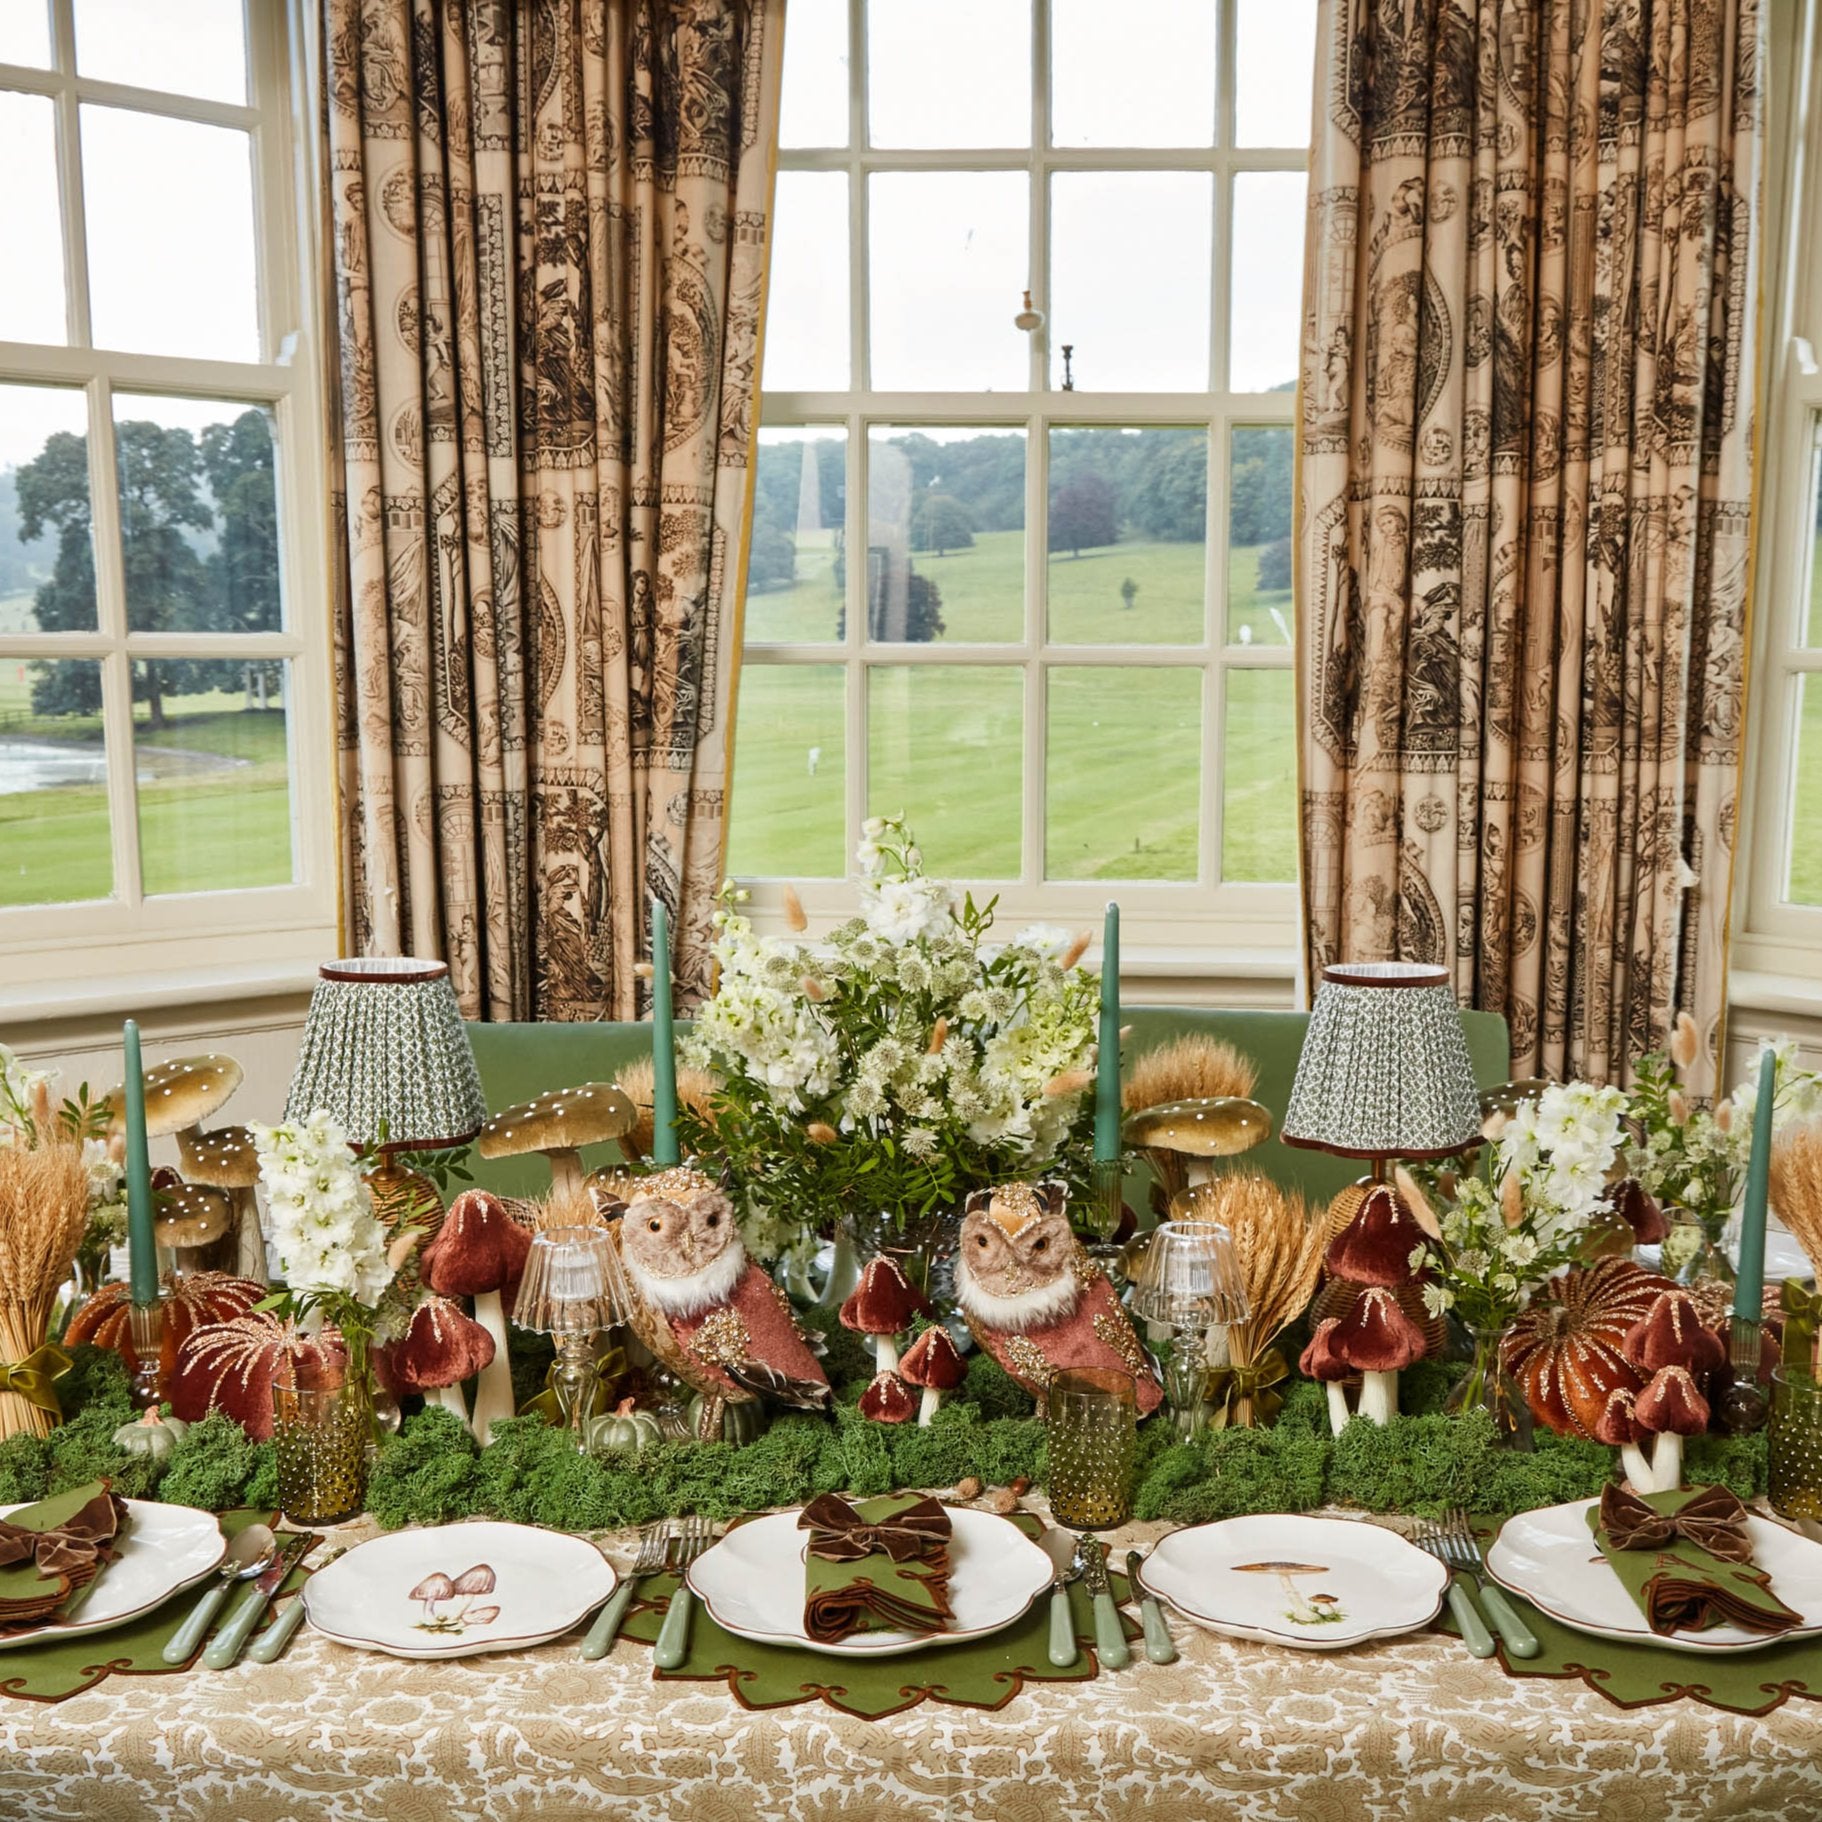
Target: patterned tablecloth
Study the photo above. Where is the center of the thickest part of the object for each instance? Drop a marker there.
(1413, 1729)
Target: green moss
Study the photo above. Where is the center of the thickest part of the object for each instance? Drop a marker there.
(25, 1470)
(1224, 1472)
(212, 1467)
(427, 1473)
(1412, 1464)
(97, 1377)
(529, 1355)
(1736, 1462)
(991, 1387)
(84, 1449)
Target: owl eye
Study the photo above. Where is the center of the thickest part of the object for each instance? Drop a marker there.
(1039, 1245)
(713, 1221)
(980, 1240)
(655, 1225)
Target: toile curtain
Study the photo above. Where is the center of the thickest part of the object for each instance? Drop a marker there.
(547, 223)
(1526, 455)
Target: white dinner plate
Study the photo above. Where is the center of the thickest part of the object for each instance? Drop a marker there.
(524, 1586)
(751, 1582)
(1550, 1557)
(164, 1550)
(1316, 1584)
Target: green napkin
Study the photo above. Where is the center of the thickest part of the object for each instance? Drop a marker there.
(880, 1566)
(1679, 1585)
(31, 1589)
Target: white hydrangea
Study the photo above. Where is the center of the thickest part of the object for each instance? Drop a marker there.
(329, 1241)
(905, 910)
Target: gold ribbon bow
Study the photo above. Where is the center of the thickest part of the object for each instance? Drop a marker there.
(611, 1367)
(838, 1534)
(1802, 1309)
(1714, 1520)
(64, 1548)
(33, 1378)
(1229, 1386)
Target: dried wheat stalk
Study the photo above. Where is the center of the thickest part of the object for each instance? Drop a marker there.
(695, 1090)
(1796, 1185)
(44, 1209)
(1189, 1068)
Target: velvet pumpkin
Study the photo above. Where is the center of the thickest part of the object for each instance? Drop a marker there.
(191, 1302)
(233, 1366)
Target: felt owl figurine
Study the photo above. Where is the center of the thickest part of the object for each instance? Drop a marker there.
(1034, 1300)
(706, 1310)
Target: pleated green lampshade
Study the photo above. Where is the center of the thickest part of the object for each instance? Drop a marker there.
(385, 1050)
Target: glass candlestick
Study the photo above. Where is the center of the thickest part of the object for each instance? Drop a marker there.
(145, 1325)
(572, 1377)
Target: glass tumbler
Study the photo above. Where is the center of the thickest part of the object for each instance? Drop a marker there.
(320, 1439)
(1091, 1434)
(1794, 1445)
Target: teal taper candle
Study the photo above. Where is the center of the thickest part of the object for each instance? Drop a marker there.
(664, 1054)
(1749, 1279)
(1107, 1059)
(142, 1244)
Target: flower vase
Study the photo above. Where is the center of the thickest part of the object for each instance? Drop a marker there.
(322, 1441)
(843, 1272)
(1692, 1251)
(1487, 1386)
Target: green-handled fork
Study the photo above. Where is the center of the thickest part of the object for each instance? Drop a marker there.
(1474, 1634)
(654, 1553)
(1462, 1551)
(674, 1636)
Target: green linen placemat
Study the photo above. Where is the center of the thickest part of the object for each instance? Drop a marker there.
(1640, 1676)
(53, 1672)
(985, 1674)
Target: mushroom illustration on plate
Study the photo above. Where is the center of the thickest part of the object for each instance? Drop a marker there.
(1304, 1610)
(437, 1589)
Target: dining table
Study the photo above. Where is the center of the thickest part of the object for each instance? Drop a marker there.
(1412, 1728)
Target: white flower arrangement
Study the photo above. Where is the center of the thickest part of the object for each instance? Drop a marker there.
(331, 1246)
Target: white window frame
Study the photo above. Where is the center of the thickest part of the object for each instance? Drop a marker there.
(53, 956)
(1778, 940)
(1169, 927)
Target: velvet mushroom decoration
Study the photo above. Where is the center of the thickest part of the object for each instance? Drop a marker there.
(479, 1252)
(1376, 1246)
(1619, 1428)
(1671, 1407)
(934, 1363)
(442, 1346)
(1320, 1361)
(225, 1160)
(882, 1305)
(559, 1125)
(236, 1366)
(888, 1399)
(1672, 1339)
(1378, 1340)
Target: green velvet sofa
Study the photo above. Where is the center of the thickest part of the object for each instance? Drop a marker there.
(520, 1061)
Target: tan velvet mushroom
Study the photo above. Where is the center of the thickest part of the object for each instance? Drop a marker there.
(225, 1159)
(1180, 1139)
(190, 1221)
(559, 1124)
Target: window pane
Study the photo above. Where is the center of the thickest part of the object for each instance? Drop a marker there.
(1266, 314)
(945, 536)
(1123, 757)
(1129, 279)
(214, 775)
(189, 47)
(1814, 634)
(814, 111)
(47, 560)
(789, 773)
(53, 783)
(198, 515)
(170, 230)
(1274, 66)
(31, 298)
(1259, 779)
(943, 746)
(1804, 884)
(1139, 74)
(949, 258)
(25, 33)
(796, 571)
(1261, 494)
(949, 72)
(806, 321)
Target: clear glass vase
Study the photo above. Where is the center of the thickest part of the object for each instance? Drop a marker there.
(1487, 1386)
(1692, 1251)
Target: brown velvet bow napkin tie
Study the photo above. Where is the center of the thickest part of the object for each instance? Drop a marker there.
(1713, 1520)
(881, 1567)
(838, 1533)
(66, 1548)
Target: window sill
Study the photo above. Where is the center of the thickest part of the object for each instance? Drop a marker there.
(117, 996)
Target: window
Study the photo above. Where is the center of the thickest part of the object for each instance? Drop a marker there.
(164, 721)
(1782, 926)
(1032, 585)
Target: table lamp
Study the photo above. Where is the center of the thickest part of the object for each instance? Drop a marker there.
(1188, 1280)
(573, 1287)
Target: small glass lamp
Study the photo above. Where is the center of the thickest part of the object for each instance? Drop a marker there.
(573, 1288)
(1188, 1280)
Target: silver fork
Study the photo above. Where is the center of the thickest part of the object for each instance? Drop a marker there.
(1464, 1553)
(654, 1553)
(1474, 1634)
(674, 1636)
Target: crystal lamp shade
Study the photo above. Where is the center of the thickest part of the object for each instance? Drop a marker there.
(1188, 1277)
(1384, 1071)
(573, 1283)
(384, 1048)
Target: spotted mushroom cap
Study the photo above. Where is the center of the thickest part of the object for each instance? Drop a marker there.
(564, 1120)
(222, 1159)
(887, 1400)
(933, 1360)
(191, 1214)
(1211, 1126)
(1376, 1336)
(1672, 1405)
(180, 1093)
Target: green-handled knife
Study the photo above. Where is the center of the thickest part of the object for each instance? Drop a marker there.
(1160, 1647)
(226, 1645)
(1109, 1630)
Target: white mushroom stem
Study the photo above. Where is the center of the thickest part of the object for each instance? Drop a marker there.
(1667, 1463)
(449, 1397)
(1339, 1414)
(565, 1170)
(1379, 1396)
(493, 1384)
(1638, 1469)
(885, 1353)
(928, 1405)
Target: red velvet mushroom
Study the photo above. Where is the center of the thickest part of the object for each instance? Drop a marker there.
(934, 1362)
(1320, 1361)
(441, 1346)
(234, 1367)
(1671, 1407)
(1376, 1246)
(479, 1252)
(1630, 1200)
(882, 1306)
(887, 1400)
(1672, 1333)
(1619, 1428)
(1378, 1340)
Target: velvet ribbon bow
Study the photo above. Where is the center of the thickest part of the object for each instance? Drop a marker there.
(1802, 1310)
(1714, 1520)
(838, 1534)
(1229, 1385)
(34, 1377)
(66, 1548)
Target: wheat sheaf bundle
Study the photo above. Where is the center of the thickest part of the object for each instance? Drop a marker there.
(1796, 1185)
(44, 1211)
(1189, 1068)
(695, 1090)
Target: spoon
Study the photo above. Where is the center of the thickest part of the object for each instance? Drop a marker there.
(1059, 1546)
(251, 1552)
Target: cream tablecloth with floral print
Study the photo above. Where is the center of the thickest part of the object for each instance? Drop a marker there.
(1413, 1729)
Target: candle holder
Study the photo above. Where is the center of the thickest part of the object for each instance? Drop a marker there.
(1188, 1281)
(1107, 1206)
(145, 1325)
(1744, 1405)
(573, 1288)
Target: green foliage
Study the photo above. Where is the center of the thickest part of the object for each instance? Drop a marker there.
(1260, 489)
(25, 1470)
(212, 1466)
(940, 522)
(97, 1376)
(1275, 564)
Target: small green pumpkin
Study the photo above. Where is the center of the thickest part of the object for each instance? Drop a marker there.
(740, 1423)
(623, 1428)
(154, 1434)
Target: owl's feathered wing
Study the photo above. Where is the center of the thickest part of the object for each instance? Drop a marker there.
(1096, 1333)
(751, 1347)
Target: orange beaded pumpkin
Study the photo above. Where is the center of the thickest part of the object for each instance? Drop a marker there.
(195, 1299)
(1565, 1349)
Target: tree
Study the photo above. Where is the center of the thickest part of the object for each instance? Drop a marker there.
(1082, 514)
(1169, 491)
(940, 522)
(1262, 489)
(1275, 564)
(772, 563)
(891, 588)
(1129, 593)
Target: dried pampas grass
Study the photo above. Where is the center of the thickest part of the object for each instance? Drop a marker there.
(44, 1212)
(1189, 1068)
(695, 1090)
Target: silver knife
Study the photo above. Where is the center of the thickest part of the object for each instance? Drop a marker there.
(226, 1645)
(1109, 1631)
